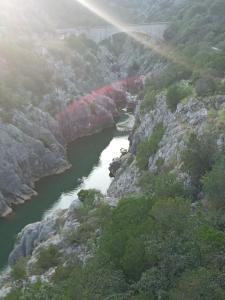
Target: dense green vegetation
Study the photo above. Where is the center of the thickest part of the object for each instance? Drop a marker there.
(196, 52)
(197, 34)
(27, 75)
(23, 71)
(175, 94)
(199, 157)
(152, 246)
(158, 245)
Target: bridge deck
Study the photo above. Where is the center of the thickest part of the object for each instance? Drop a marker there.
(109, 26)
(100, 33)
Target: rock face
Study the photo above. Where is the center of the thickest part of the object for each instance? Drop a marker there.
(31, 236)
(114, 166)
(24, 158)
(124, 182)
(87, 117)
(191, 116)
(51, 230)
(34, 145)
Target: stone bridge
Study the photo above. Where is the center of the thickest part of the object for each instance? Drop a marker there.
(154, 30)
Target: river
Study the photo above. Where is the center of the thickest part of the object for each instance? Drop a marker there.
(90, 158)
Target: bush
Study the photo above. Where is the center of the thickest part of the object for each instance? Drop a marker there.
(47, 258)
(81, 234)
(18, 271)
(102, 282)
(199, 157)
(221, 87)
(151, 284)
(149, 101)
(214, 185)
(89, 197)
(205, 86)
(217, 63)
(198, 284)
(175, 94)
(149, 147)
(37, 291)
(122, 242)
(164, 185)
(170, 75)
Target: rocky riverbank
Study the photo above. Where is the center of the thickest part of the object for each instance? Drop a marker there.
(191, 116)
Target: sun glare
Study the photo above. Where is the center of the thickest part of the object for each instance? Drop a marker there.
(100, 12)
(161, 49)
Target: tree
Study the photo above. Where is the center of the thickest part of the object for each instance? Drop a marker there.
(205, 86)
(175, 94)
(199, 284)
(47, 258)
(214, 185)
(199, 157)
(163, 185)
(19, 270)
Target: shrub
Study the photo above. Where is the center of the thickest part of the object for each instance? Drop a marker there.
(81, 234)
(164, 185)
(89, 197)
(170, 75)
(101, 282)
(199, 157)
(18, 271)
(221, 87)
(122, 241)
(214, 185)
(174, 73)
(151, 284)
(199, 284)
(175, 94)
(205, 86)
(149, 101)
(14, 294)
(37, 291)
(217, 63)
(47, 258)
(149, 147)
(102, 213)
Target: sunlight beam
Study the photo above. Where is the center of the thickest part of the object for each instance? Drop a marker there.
(160, 48)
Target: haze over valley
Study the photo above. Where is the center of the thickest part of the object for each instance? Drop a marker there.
(112, 179)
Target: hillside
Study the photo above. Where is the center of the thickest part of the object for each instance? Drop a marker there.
(159, 233)
(40, 76)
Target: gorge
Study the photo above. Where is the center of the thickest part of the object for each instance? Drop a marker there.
(57, 192)
(156, 230)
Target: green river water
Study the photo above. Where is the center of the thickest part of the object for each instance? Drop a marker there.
(90, 158)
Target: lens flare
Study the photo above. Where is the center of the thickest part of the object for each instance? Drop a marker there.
(161, 48)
